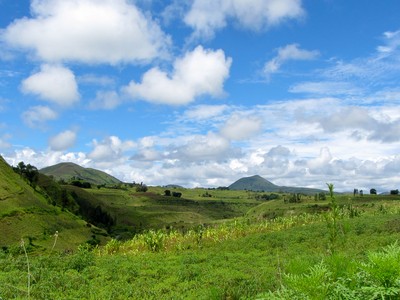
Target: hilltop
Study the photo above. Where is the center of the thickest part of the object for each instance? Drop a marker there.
(68, 170)
(27, 212)
(258, 183)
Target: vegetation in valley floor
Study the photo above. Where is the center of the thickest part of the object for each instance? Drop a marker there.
(245, 259)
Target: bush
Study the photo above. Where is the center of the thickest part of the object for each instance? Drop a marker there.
(141, 188)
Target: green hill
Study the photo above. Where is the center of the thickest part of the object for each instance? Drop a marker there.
(27, 213)
(66, 171)
(258, 183)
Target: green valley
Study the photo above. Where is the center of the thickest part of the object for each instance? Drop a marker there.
(130, 241)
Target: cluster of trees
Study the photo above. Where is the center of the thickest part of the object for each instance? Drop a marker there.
(93, 214)
(81, 184)
(141, 188)
(293, 198)
(28, 172)
(267, 197)
(373, 192)
(173, 194)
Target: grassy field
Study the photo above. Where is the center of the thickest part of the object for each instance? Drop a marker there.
(137, 211)
(284, 258)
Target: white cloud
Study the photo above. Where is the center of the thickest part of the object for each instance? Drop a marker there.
(241, 127)
(332, 88)
(88, 31)
(279, 151)
(208, 16)
(37, 116)
(204, 112)
(105, 100)
(392, 42)
(210, 147)
(109, 150)
(63, 140)
(200, 72)
(287, 53)
(54, 84)
(360, 123)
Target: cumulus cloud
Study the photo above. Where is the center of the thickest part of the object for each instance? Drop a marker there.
(63, 140)
(361, 125)
(241, 127)
(208, 16)
(88, 31)
(37, 116)
(110, 149)
(202, 148)
(199, 72)
(278, 151)
(287, 53)
(55, 84)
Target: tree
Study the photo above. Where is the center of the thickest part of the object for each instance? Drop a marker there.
(167, 193)
(28, 172)
(176, 194)
(372, 191)
(141, 188)
(394, 192)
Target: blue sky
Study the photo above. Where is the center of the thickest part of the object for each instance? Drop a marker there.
(204, 92)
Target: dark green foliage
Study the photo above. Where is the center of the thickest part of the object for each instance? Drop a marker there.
(372, 191)
(176, 194)
(167, 193)
(142, 188)
(394, 192)
(28, 172)
(267, 197)
(294, 198)
(92, 213)
(81, 184)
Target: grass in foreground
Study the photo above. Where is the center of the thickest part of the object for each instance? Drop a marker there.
(240, 260)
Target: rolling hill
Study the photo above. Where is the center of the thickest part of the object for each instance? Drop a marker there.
(27, 213)
(68, 170)
(258, 183)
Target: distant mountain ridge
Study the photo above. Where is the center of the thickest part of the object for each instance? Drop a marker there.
(258, 183)
(68, 170)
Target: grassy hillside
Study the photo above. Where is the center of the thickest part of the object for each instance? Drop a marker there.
(258, 183)
(136, 211)
(25, 212)
(284, 258)
(66, 171)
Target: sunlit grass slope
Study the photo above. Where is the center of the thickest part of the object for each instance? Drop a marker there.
(68, 170)
(25, 212)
